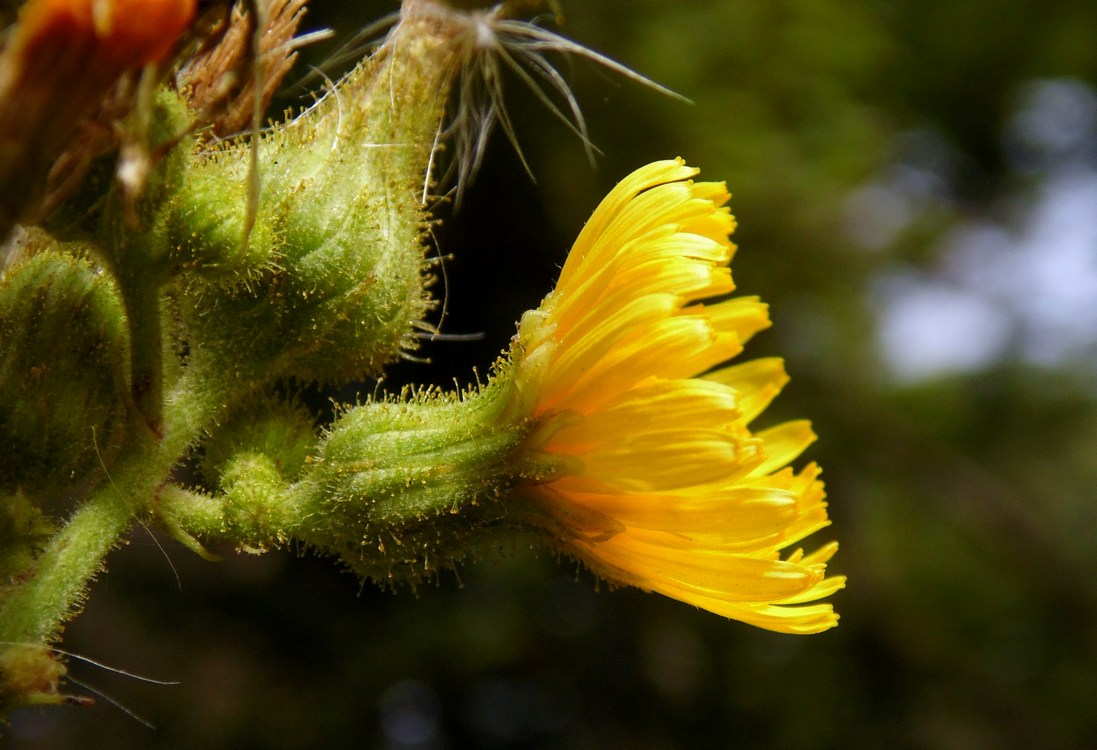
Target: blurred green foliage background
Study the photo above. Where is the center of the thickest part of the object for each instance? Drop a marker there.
(916, 185)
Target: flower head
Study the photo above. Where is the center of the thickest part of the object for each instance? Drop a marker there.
(656, 480)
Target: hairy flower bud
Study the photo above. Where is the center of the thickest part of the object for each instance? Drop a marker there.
(63, 375)
(341, 206)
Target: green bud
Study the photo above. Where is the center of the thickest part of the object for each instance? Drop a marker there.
(341, 203)
(283, 432)
(259, 511)
(62, 376)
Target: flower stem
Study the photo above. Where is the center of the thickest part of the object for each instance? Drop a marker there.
(34, 611)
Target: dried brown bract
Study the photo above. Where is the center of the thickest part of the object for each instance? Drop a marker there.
(220, 78)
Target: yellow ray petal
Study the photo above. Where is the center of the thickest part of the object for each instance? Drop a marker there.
(756, 382)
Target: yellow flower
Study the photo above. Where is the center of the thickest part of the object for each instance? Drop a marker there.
(656, 480)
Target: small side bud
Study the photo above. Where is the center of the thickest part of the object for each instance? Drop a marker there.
(29, 676)
(269, 426)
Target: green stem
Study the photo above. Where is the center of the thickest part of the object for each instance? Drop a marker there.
(260, 509)
(34, 611)
(395, 488)
(142, 298)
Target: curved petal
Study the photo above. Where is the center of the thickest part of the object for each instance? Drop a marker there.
(658, 481)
